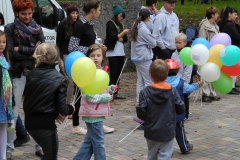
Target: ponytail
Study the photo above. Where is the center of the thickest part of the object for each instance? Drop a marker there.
(135, 30)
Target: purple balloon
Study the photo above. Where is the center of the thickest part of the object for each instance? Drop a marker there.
(221, 38)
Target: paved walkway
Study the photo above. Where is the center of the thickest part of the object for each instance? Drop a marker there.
(214, 130)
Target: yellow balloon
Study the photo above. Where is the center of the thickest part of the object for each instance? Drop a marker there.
(214, 54)
(99, 84)
(83, 71)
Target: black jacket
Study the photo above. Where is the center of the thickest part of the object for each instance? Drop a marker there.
(45, 97)
(112, 36)
(231, 29)
(23, 58)
(158, 108)
(62, 42)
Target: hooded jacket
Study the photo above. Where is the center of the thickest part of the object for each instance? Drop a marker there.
(141, 49)
(158, 105)
(228, 27)
(207, 30)
(165, 29)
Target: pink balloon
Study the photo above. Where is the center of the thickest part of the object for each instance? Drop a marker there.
(221, 38)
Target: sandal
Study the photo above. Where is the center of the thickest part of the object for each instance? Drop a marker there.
(206, 99)
(215, 98)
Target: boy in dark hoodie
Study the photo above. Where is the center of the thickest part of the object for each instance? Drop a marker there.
(158, 104)
(182, 88)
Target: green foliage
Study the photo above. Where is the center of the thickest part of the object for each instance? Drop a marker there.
(191, 13)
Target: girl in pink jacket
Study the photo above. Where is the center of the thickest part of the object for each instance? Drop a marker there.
(93, 110)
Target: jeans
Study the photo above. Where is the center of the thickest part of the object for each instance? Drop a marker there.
(20, 129)
(93, 143)
(18, 88)
(48, 140)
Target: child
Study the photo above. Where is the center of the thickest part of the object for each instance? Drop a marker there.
(6, 112)
(182, 88)
(45, 99)
(185, 71)
(141, 49)
(94, 139)
(158, 104)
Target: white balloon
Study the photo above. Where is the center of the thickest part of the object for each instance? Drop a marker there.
(199, 54)
(210, 72)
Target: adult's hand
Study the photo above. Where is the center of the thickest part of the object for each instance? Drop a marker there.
(16, 49)
(60, 118)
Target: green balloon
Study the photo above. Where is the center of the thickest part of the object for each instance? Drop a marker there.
(223, 85)
(185, 57)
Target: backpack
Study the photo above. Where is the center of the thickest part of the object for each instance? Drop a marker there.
(191, 32)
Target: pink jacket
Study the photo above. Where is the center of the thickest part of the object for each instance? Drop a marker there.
(89, 109)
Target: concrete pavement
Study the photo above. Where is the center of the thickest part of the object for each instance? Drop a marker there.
(213, 130)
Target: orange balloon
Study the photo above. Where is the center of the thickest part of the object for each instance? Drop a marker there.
(214, 54)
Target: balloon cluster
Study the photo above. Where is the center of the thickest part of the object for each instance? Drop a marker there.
(217, 60)
(82, 70)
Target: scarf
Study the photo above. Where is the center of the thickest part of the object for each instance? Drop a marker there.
(6, 85)
(27, 31)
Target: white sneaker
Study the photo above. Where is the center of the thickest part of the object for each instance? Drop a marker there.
(108, 129)
(190, 114)
(78, 130)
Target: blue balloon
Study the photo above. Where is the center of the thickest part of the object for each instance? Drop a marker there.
(230, 55)
(202, 41)
(70, 59)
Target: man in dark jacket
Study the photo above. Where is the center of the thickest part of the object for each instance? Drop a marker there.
(158, 104)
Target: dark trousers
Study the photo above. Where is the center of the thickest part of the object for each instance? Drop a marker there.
(181, 137)
(20, 129)
(162, 54)
(186, 101)
(48, 140)
(115, 65)
(75, 117)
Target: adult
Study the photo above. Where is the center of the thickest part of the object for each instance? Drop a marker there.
(83, 34)
(227, 24)
(1, 22)
(116, 36)
(151, 5)
(141, 50)
(207, 29)
(165, 29)
(23, 36)
(64, 32)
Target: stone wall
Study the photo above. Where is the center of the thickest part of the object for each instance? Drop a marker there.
(131, 8)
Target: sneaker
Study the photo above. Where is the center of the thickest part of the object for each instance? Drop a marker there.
(190, 114)
(233, 92)
(108, 129)
(20, 140)
(189, 149)
(9, 155)
(78, 130)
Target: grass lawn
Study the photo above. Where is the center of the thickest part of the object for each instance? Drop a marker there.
(191, 13)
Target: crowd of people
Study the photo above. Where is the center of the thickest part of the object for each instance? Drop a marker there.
(28, 75)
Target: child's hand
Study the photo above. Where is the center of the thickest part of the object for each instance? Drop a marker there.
(73, 108)
(111, 97)
(60, 118)
(200, 83)
(104, 47)
(114, 88)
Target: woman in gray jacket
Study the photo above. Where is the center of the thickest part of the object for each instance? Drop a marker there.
(207, 29)
(141, 49)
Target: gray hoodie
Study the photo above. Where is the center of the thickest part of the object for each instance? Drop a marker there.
(151, 20)
(141, 49)
(165, 29)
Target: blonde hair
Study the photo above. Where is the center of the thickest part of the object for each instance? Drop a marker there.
(158, 70)
(181, 36)
(46, 52)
